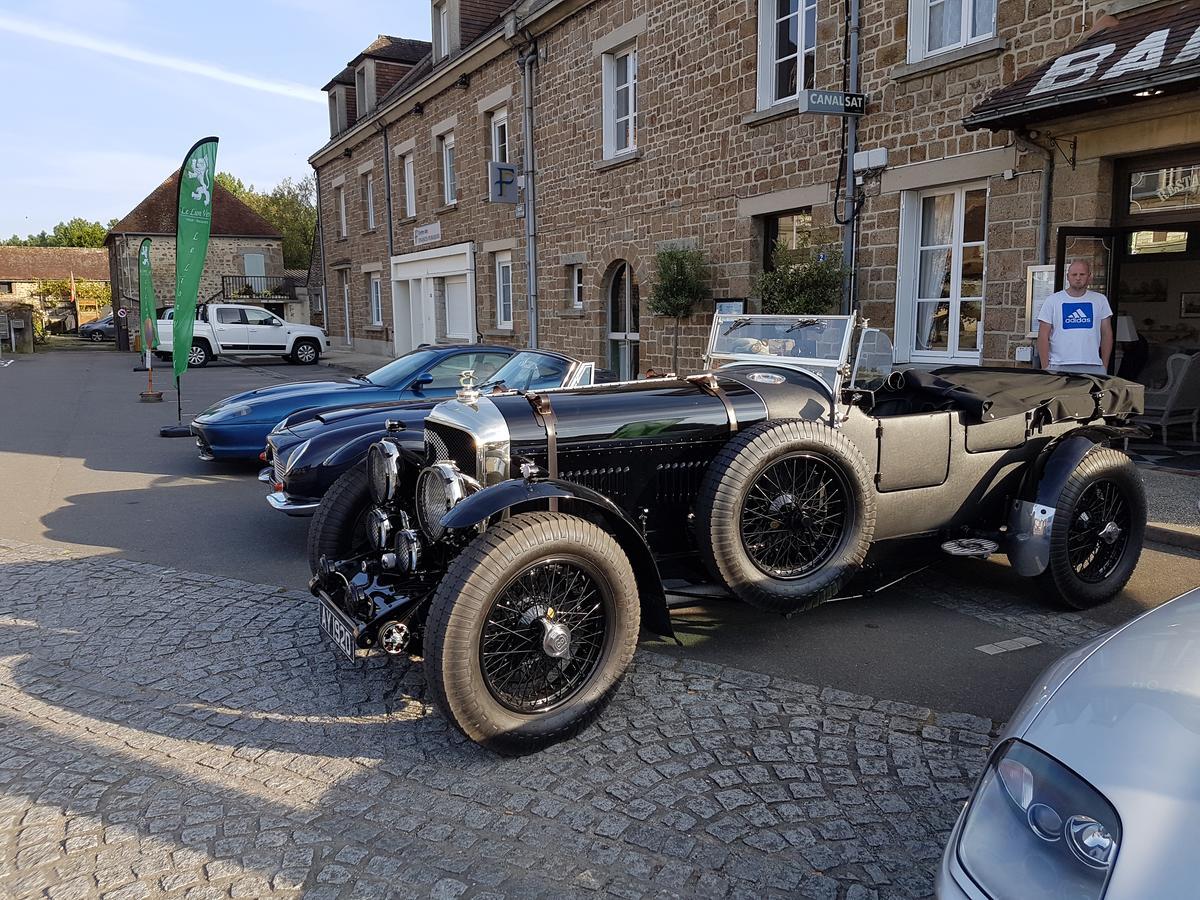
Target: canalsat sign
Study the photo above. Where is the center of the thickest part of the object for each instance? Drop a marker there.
(833, 103)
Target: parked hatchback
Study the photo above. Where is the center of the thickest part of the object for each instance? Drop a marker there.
(101, 330)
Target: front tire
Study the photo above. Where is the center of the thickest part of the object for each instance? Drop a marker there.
(1099, 525)
(199, 356)
(306, 353)
(339, 527)
(785, 514)
(96, 337)
(530, 631)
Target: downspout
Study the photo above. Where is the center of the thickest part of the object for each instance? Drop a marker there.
(528, 62)
(321, 251)
(387, 189)
(849, 244)
(1026, 142)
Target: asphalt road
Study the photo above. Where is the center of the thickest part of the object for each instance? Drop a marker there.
(82, 467)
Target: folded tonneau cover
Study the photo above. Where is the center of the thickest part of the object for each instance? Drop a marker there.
(994, 393)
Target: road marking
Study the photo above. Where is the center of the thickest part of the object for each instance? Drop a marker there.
(1004, 646)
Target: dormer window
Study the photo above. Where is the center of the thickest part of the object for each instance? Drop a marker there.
(364, 86)
(338, 121)
(441, 30)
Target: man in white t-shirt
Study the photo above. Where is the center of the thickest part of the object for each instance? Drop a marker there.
(1075, 332)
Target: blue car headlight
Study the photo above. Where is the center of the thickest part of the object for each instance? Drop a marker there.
(1037, 831)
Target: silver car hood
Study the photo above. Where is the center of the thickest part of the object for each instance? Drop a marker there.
(1127, 720)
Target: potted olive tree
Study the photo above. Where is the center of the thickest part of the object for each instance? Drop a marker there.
(680, 280)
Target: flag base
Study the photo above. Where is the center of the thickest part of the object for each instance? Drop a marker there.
(175, 431)
(150, 396)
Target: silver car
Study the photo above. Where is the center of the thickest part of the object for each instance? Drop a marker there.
(1094, 788)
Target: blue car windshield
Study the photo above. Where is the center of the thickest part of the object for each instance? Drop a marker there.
(401, 371)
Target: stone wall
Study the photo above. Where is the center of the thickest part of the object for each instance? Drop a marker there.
(224, 258)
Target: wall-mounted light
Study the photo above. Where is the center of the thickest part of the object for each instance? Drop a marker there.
(347, 153)
(1149, 92)
(464, 81)
(418, 108)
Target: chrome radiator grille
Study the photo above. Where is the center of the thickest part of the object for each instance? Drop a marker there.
(443, 442)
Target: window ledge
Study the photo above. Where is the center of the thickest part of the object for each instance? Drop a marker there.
(572, 313)
(449, 207)
(341, 240)
(616, 162)
(370, 230)
(772, 113)
(373, 328)
(497, 332)
(407, 220)
(993, 46)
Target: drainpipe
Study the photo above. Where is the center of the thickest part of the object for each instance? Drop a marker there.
(1025, 142)
(321, 252)
(528, 63)
(387, 190)
(848, 230)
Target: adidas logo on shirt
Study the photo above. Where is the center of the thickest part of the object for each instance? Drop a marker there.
(1077, 315)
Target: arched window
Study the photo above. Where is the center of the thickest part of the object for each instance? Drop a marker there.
(624, 302)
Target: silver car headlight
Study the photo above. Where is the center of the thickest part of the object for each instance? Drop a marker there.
(379, 529)
(1037, 831)
(440, 488)
(383, 470)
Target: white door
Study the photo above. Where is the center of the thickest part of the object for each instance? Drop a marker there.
(402, 315)
(459, 321)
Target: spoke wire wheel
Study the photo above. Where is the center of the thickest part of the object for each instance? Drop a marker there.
(1099, 532)
(517, 668)
(1099, 524)
(795, 515)
(488, 635)
(785, 514)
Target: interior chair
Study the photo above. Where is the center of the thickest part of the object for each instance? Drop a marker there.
(1178, 401)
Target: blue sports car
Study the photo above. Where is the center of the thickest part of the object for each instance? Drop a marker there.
(237, 427)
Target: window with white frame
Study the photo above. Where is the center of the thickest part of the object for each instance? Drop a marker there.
(504, 299)
(441, 31)
(938, 26)
(335, 115)
(577, 287)
(787, 40)
(340, 198)
(449, 178)
(943, 277)
(368, 195)
(364, 87)
(500, 136)
(620, 102)
(375, 293)
(410, 187)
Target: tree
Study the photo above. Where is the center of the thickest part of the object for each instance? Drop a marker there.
(290, 206)
(805, 281)
(681, 277)
(76, 232)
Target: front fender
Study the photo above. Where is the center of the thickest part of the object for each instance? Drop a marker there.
(1031, 518)
(586, 503)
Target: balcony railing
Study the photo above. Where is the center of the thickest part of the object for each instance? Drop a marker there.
(258, 287)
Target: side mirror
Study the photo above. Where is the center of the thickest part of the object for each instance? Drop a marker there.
(421, 380)
(275, 323)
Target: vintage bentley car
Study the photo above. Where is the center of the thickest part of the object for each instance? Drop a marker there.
(520, 549)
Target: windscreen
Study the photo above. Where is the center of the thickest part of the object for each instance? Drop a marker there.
(873, 363)
(816, 344)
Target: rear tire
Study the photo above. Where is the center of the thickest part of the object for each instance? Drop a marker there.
(199, 356)
(785, 514)
(339, 527)
(491, 631)
(1099, 526)
(306, 353)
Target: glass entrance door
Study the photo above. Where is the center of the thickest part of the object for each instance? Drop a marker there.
(624, 337)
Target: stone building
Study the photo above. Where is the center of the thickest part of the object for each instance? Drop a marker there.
(23, 269)
(244, 261)
(665, 124)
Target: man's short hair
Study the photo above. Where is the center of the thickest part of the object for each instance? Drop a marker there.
(1081, 262)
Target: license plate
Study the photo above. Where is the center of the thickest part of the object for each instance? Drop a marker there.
(338, 629)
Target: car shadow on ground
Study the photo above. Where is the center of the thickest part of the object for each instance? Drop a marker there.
(191, 713)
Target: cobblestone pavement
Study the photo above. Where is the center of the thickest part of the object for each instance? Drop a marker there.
(170, 734)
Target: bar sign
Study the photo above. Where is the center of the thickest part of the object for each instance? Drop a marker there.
(833, 103)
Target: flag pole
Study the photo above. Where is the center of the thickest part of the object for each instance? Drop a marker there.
(194, 200)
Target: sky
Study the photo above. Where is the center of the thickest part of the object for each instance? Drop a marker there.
(105, 97)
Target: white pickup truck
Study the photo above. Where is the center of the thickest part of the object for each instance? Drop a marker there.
(235, 329)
